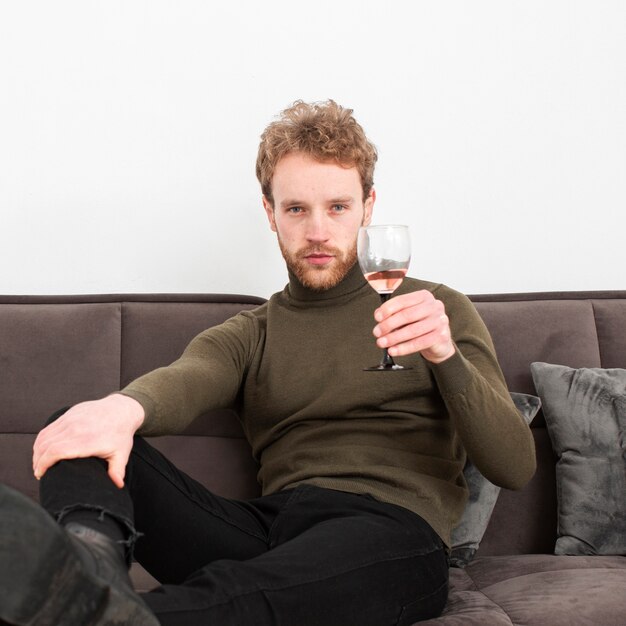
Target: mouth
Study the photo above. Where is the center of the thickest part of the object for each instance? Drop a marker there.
(319, 258)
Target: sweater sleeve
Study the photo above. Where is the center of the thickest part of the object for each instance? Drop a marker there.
(208, 375)
(494, 434)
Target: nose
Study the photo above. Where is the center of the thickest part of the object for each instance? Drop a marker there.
(318, 227)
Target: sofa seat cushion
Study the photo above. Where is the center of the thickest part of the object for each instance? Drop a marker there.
(537, 590)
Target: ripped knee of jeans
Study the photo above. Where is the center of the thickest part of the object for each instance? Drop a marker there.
(125, 524)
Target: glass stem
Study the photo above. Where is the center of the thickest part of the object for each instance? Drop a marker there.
(387, 361)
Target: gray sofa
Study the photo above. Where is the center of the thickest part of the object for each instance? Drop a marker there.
(56, 351)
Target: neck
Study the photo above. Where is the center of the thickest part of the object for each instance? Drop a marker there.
(351, 282)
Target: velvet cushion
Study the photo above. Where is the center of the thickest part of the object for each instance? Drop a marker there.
(585, 411)
(483, 494)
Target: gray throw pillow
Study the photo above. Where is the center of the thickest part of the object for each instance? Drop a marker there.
(585, 411)
(467, 535)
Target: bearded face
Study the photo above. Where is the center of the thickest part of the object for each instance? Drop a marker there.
(317, 210)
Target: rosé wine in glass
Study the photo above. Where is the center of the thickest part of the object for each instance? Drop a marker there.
(384, 254)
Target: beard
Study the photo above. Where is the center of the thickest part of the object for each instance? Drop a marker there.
(319, 278)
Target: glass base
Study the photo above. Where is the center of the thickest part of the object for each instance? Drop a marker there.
(386, 368)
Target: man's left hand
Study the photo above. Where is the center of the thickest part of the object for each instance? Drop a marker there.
(414, 322)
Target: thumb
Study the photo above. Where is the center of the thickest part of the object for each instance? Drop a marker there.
(117, 471)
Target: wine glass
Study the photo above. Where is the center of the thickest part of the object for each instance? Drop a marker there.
(384, 254)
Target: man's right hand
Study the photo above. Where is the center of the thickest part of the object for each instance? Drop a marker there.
(101, 428)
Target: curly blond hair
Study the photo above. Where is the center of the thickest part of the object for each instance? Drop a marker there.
(325, 131)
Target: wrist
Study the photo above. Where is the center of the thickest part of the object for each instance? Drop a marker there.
(441, 356)
(131, 409)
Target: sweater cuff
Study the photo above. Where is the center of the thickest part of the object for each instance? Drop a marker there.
(452, 375)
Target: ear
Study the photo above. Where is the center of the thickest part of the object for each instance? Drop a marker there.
(269, 210)
(368, 207)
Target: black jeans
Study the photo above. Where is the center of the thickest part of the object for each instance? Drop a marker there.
(302, 557)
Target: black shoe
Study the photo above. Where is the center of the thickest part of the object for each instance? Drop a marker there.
(50, 576)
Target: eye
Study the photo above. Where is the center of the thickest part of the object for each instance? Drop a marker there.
(338, 208)
(294, 210)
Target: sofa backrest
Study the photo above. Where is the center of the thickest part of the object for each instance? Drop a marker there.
(56, 351)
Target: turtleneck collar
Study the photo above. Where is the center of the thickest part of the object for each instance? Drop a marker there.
(297, 293)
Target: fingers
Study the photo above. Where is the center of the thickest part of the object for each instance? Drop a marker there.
(71, 443)
(55, 442)
(43, 451)
(435, 346)
(419, 310)
(413, 337)
(53, 446)
(414, 322)
(102, 428)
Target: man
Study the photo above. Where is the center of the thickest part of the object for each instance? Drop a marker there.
(361, 472)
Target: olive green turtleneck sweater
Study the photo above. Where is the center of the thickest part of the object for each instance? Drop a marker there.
(293, 369)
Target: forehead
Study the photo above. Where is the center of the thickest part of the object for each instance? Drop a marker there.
(298, 174)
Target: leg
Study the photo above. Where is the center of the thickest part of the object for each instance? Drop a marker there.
(49, 575)
(335, 559)
(181, 525)
(76, 490)
(75, 576)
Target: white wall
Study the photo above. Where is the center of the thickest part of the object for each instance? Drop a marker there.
(128, 135)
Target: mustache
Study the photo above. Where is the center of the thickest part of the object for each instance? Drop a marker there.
(309, 250)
